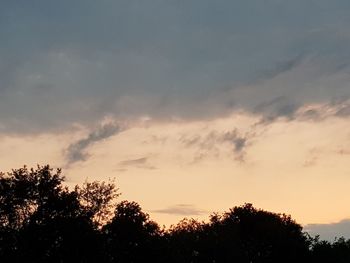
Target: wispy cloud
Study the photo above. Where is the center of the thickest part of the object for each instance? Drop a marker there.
(77, 151)
(181, 209)
(238, 141)
(344, 111)
(210, 142)
(137, 163)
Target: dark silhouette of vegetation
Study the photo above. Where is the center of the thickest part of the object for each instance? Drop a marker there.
(41, 220)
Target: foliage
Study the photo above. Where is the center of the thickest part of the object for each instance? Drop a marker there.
(97, 200)
(41, 220)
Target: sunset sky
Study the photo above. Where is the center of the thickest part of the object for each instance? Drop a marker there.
(193, 106)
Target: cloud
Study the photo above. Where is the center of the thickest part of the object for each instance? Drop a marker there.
(279, 68)
(181, 209)
(239, 142)
(330, 231)
(137, 163)
(343, 152)
(210, 142)
(78, 61)
(344, 111)
(277, 107)
(335, 108)
(77, 151)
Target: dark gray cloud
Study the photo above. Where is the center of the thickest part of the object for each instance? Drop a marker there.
(137, 163)
(181, 209)
(277, 107)
(330, 231)
(279, 68)
(63, 62)
(77, 151)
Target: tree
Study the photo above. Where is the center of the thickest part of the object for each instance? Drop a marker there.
(43, 221)
(254, 235)
(188, 242)
(131, 235)
(97, 200)
(243, 234)
(327, 252)
(23, 191)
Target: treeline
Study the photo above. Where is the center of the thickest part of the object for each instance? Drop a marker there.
(41, 220)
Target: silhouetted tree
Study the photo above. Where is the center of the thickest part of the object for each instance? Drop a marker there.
(188, 242)
(244, 234)
(131, 235)
(326, 252)
(41, 220)
(254, 235)
(97, 200)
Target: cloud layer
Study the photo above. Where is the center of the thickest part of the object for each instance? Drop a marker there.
(330, 231)
(77, 61)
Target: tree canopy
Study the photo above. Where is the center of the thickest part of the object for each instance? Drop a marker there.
(42, 220)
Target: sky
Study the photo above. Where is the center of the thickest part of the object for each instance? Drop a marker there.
(192, 106)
